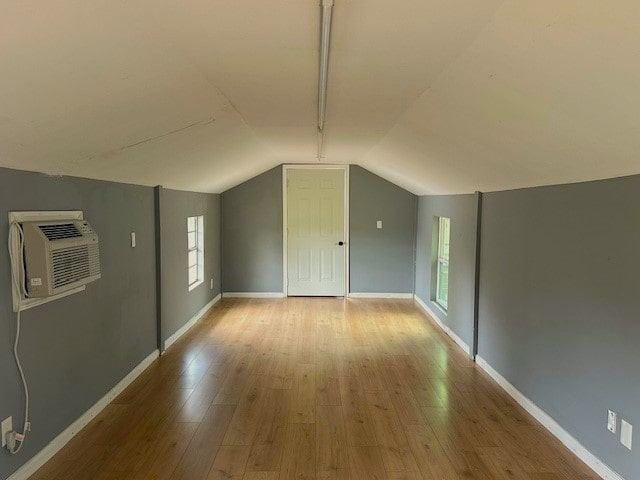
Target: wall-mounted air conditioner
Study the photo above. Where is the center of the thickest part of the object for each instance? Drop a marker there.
(59, 256)
(53, 254)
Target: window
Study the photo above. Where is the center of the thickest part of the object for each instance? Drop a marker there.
(442, 276)
(195, 251)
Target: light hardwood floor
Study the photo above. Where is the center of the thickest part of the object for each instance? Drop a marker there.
(314, 388)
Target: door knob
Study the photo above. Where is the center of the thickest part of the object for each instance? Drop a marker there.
(340, 243)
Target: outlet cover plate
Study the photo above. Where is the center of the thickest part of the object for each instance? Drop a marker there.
(626, 434)
(7, 426)
(612, 421)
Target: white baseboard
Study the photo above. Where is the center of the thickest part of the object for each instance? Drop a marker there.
(192, 321)
(461, 343)
(253, 295)
(379, 295)
(550, 424)
(40, 458)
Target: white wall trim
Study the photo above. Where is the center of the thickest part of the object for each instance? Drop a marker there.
(379, 295)
(192, 321)
(550, 424)
(253, 295)
(285, 206)
(461, 343)
(40, 458)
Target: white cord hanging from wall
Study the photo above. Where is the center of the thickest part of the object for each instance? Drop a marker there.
(62, 255)
(17, 277)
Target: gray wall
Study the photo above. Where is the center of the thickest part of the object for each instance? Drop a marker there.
(74, 350)
(178, 303)
(462, 210)
(381, 261)
(560, 305)
(252, 234)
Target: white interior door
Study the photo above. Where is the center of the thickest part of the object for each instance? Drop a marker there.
(316, 240)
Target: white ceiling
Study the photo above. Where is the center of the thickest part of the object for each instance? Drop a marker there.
(439, 96)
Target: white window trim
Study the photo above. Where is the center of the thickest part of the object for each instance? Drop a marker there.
(199, 248)
(442, 261)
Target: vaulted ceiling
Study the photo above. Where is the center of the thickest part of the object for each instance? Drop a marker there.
(438, 96)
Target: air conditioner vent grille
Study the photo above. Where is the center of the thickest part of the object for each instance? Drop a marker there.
(60, 231)
(74, 264)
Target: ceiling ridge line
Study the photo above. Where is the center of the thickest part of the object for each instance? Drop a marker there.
(323, 69)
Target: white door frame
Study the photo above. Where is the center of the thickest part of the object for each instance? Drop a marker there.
(285, 205)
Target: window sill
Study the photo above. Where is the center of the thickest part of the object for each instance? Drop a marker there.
(195, 285)
(440, 307)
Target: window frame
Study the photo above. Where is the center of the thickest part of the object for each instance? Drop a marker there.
(443, 259)
(197, 248)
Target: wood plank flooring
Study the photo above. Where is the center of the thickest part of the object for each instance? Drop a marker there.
(314, 388)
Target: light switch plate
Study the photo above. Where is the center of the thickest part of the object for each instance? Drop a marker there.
(133, 239)
(612, 421)
(626, 434)
(212, 284)
(379, 224)
(7, 426)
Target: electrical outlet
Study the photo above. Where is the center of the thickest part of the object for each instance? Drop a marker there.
(612, 421)
(379, 224)
(133, 239)
(7, 426)
(626, 434)
(212, 284)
